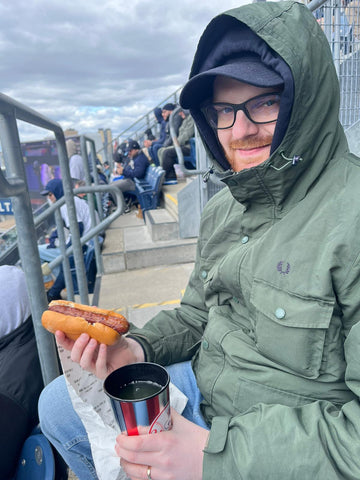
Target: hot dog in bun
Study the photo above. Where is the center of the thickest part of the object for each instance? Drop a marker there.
(105, 326)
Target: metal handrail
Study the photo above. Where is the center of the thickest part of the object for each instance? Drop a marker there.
(94, 231)
(178, 150)
(13, 185)
(134, 131)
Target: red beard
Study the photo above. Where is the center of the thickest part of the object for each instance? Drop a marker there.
(250, 143)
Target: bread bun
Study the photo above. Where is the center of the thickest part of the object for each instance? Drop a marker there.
(105, 326)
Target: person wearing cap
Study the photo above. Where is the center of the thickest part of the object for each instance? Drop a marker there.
(135, 168)
(270, 319)
(54, 191)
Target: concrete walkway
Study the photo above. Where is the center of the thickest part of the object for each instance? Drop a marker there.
(139, 293)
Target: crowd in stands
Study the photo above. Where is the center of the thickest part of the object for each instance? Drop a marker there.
(348, 24)
(131, 161)
(159, 150)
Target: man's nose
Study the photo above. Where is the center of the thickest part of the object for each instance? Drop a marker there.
(243, 126)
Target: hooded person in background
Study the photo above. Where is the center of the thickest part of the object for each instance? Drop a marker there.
(164, 131)
(50, 250)
(271, 316)
(168, 156)
(54, 191)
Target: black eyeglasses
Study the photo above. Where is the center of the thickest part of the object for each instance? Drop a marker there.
(260, 109)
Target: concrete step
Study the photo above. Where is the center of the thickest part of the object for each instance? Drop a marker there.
(161, 225)
(170, 201)
(129, 244)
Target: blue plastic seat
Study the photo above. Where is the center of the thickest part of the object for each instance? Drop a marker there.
(148, 190)
(37, 460)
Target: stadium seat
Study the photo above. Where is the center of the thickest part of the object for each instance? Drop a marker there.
(37, 460)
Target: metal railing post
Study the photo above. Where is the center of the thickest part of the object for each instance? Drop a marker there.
(90, 199)
(27, 244)
(74, 227)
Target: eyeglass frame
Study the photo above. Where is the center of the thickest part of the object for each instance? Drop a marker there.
(236, 107)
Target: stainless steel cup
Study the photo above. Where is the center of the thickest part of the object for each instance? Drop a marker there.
(139, 395)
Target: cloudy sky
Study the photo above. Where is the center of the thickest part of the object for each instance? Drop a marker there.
(91, 64)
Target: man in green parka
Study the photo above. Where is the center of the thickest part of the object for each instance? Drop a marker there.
(270, 318)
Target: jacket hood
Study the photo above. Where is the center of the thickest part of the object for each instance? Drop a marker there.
(289, 40)
(158, 115)
(54, 186)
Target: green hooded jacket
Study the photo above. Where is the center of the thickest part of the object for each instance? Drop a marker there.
(270, 317)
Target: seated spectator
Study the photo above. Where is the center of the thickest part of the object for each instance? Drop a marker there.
(150, 138)
(76, 163)
(120, 152)
(106, 171)
(20, 374)
(116, 175)
(164, 132)
(136, 167)
(176, 122)
(149, 134)
(54, 191)
(169, 156)
(50, 250)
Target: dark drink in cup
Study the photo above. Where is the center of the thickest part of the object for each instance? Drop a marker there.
(139, 395)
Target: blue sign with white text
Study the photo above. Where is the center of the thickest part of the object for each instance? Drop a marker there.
(6, 206)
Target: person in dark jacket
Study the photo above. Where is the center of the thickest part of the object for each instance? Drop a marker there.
(136, 167)
(168, 156)
(270, 319)
(20, 374)
(164, 131)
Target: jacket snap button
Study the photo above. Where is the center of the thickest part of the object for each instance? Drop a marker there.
(204, 274)
(280, 313)
(245, 239)
(205, 344)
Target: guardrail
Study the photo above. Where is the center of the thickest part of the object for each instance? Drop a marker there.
(13, 185)
(136, 129)
(340, 21)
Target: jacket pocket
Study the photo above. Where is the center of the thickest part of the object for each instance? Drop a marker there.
(290, 329)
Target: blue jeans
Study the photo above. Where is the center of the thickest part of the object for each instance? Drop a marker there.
(62, 426)
(153, 150)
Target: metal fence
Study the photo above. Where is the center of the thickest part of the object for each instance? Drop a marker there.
(136, 130)
(13, 184)
(340, 21)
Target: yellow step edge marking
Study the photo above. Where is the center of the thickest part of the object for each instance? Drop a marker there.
(170, 197)
(146, 305)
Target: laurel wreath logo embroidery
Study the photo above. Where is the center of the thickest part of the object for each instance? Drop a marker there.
(283, 267)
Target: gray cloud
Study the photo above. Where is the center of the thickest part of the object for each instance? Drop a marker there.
(98, 64)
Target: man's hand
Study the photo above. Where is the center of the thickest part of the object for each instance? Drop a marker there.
(176, 454)
(102, 359)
